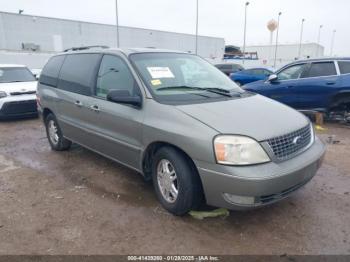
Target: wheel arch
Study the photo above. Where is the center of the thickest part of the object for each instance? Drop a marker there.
(151, 149)
(341, 97)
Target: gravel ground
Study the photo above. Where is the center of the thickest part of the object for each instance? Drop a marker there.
(77, 202)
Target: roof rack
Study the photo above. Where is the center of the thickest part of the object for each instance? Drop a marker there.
(86, 48)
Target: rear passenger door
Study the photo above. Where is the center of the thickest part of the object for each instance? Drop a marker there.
(117, 127)
(75, 86)
(317, 85)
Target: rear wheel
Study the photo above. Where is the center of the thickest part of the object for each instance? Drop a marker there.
(176, 181)
(54, 134)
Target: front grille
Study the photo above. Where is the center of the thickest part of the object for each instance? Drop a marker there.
(22, 93)
(19, 107)
(287, 146)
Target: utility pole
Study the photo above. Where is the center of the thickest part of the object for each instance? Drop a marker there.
(196, 50)
(318, 39)
(301, 37)
(117, 22)
(332, 43)
(278, 29)
(245, 29)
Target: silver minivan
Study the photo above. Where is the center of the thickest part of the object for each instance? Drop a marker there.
(181, 123)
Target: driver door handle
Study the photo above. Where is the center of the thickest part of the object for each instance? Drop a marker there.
(95, 108)
(78, 103)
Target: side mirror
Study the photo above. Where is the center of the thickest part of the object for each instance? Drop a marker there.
(272, 78)
(124, 97)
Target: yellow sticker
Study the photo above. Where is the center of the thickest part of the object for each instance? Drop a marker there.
(156, 82)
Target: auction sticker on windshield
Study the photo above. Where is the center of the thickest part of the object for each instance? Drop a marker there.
(160, 72)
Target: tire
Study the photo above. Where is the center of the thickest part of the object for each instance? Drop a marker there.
(188, 184)
(59, 143)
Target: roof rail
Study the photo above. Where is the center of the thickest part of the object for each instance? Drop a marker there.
(86, 48)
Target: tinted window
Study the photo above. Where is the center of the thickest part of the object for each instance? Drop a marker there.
(114, 75)
(292, 72)
(78, 73)
(344, 67)
(15, 74)
(321, 69)
(228, 67)
(49, 75)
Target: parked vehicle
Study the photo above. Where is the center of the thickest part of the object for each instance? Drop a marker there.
(229, 68)
(251, 75)
(318, 85)
(17, 92)
(178, 121)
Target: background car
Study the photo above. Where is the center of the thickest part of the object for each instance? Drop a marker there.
(318, 85)
(36, 72)
(229, 68)
(17, 92)
(251, 75)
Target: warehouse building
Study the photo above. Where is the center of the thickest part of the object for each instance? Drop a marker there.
(27, 33)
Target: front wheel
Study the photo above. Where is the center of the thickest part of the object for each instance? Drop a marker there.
(176, 181)
(54, 134)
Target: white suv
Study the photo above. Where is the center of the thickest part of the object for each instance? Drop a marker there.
(17, 92)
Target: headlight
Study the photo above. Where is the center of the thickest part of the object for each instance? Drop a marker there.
(2, 94)
(238, 150)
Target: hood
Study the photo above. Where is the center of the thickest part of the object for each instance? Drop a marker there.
(255, 116)
(21, 87)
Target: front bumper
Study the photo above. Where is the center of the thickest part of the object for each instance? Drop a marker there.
(264, 183)
(18, 106)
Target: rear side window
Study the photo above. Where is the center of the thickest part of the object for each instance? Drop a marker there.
(321, 69)
(78, 73)
(344, 67)
(49, 75)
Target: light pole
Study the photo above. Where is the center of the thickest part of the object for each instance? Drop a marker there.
(301, 37)
(278, 29)
(332, 43)
(245, 29)
(197, 27)
(117, 22)
(318, 38)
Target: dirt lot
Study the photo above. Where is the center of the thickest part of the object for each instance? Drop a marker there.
(77, 202)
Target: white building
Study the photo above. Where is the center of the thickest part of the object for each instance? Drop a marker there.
(49, 35)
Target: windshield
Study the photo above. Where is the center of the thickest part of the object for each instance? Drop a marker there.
(15, 74)
(183, 77)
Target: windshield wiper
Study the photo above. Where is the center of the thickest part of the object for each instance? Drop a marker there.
(216, 90)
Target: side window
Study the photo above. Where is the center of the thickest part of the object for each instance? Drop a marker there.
(292, 72)
(344, 67)
(321, 69)
(228, 67)
(49, 75)
(78, 73)
(114, 75)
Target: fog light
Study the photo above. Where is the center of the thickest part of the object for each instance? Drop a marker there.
(239, 200)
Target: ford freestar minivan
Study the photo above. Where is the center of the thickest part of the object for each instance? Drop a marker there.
(179, 121)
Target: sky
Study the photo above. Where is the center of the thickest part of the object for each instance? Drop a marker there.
(219, 18)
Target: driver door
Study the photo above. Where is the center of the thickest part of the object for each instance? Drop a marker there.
(285, 88)
(117, 127)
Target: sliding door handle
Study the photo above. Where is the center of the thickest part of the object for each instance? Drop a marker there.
(95, 108)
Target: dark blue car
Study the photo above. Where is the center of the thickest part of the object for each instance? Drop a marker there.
(250, 75)
(317, 84)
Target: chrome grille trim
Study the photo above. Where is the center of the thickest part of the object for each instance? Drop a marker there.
(287, 146)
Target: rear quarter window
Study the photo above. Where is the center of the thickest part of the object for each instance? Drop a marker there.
(344, 67)
(49, 75)
(322, 69)
(78, 73)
